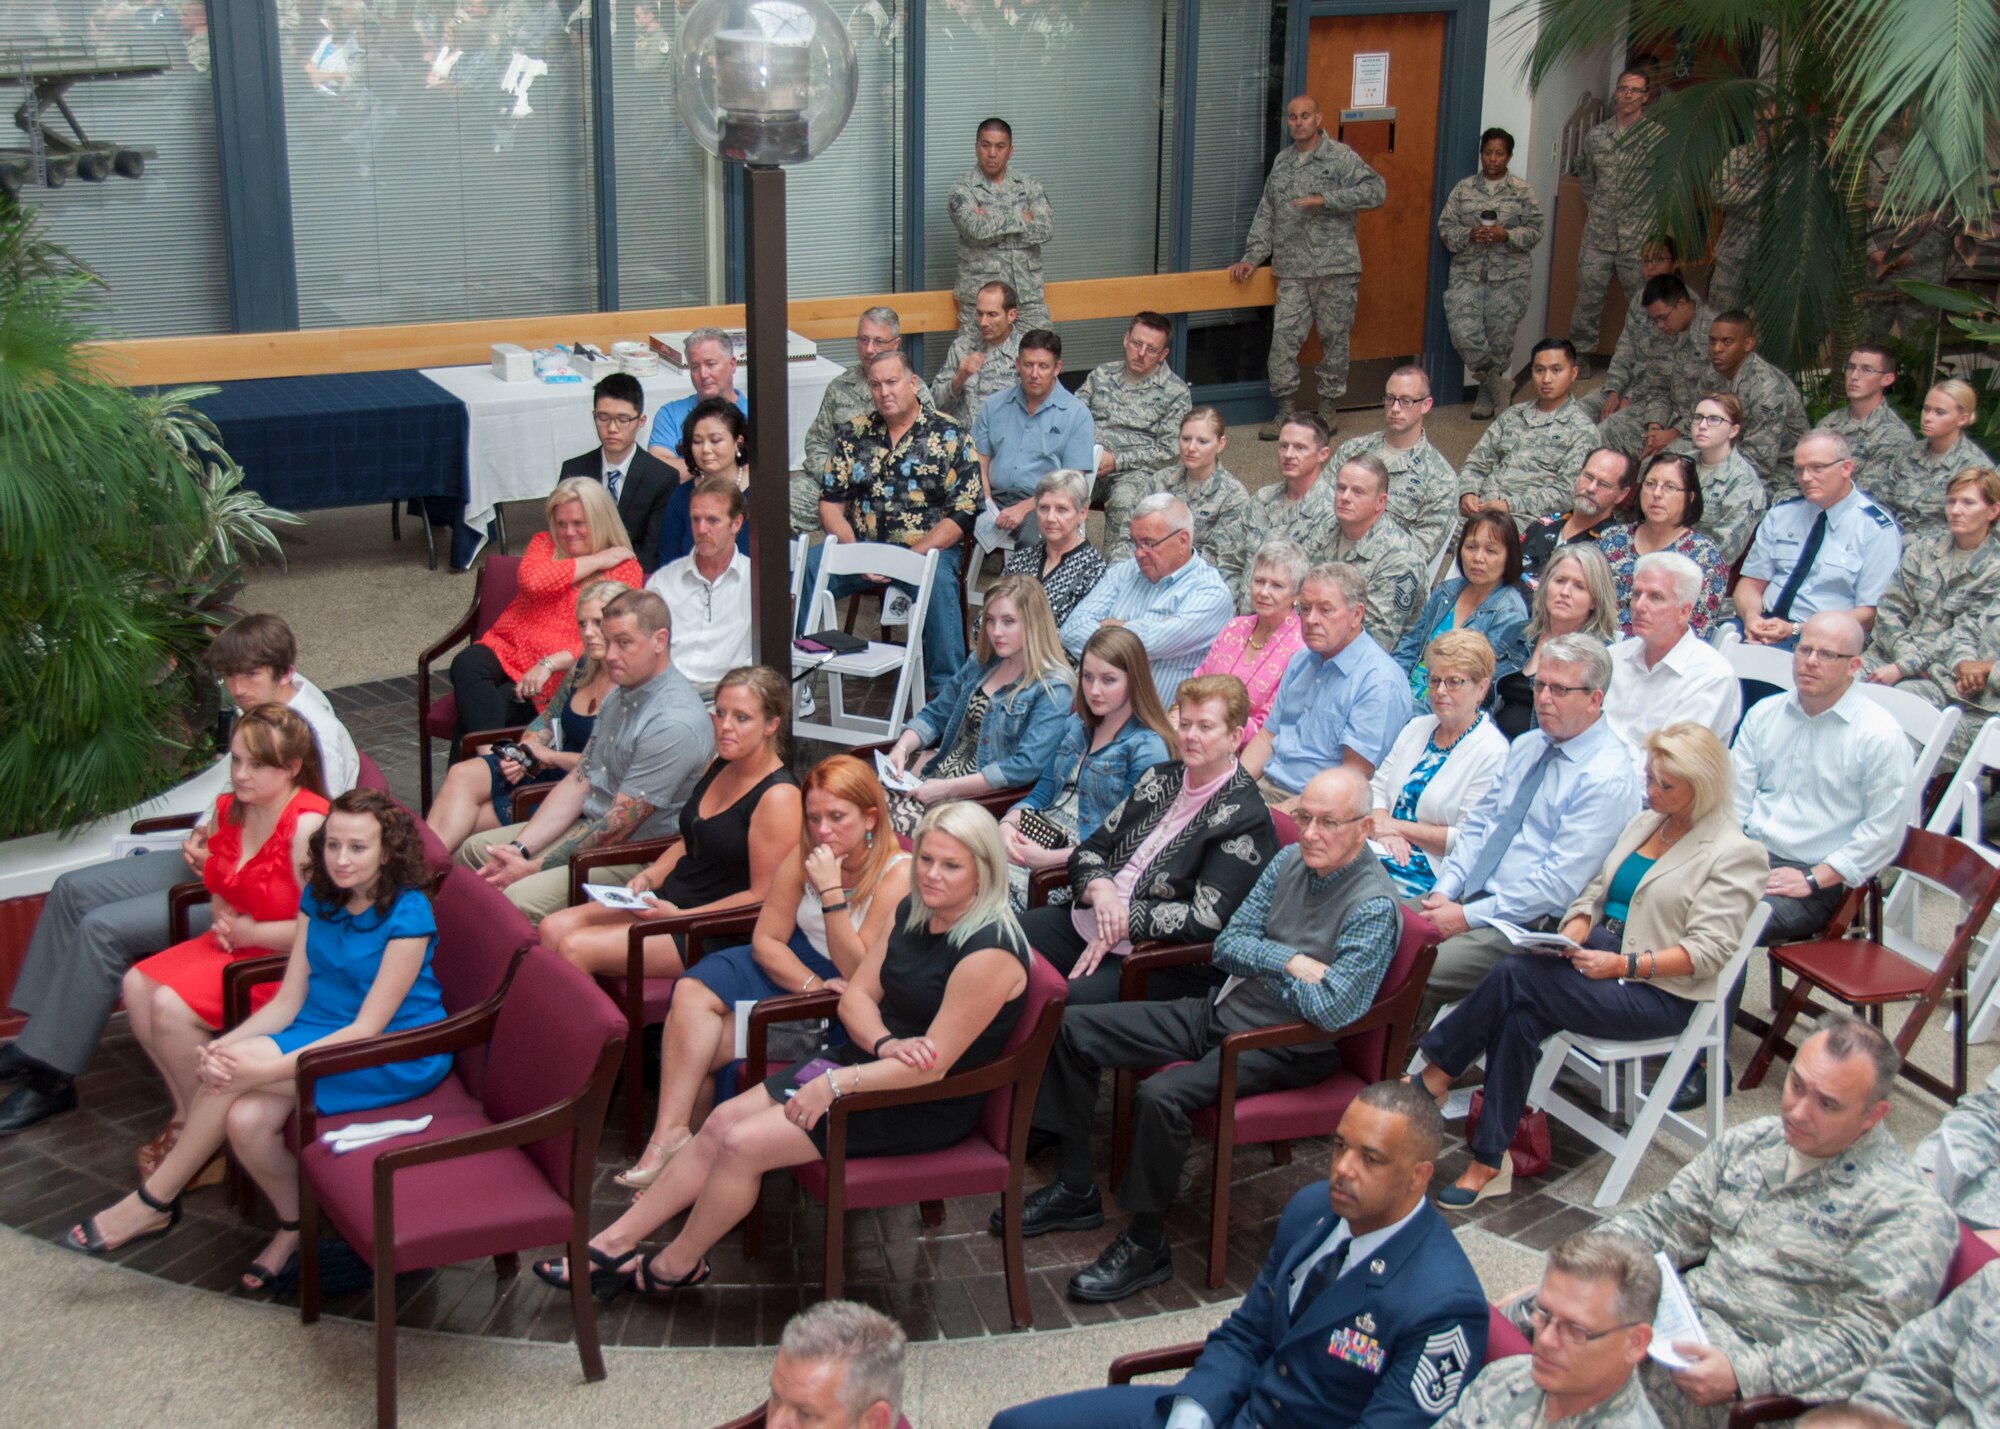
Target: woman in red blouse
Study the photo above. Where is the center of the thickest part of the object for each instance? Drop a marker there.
(507, 675)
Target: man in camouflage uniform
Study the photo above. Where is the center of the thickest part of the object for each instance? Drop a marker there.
(1136, 404)
(1527, 461)
(1943, 1368)
(1423, 488)
(1774, 414)
(1612, 170)
(981, 365)
(1394, 567)
(1738, 196)
(1298, 508)
(847, 397)
(1305, 227)
(1003, 219)
(1590, 1322)
(1658, 372)
(1489, 223)
(1806, 1240)
(1875, 433)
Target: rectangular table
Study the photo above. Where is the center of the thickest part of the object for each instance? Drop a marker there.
(347, 439)
(520, 433)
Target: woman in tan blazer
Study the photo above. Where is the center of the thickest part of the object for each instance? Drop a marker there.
(1656, 926)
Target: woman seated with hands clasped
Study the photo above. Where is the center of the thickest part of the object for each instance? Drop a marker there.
(1440, 766)
(942, 996)
(845, 862)
(998, 717)
(738, 824)
(478, 793)
(1656, 925)
(1116, 731)
(360, 966)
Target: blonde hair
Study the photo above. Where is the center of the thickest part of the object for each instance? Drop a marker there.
(1961, 394)
(979, 831)
(1692, 754)
(600, 512)
(1603, 622)
(773, 694)
(603, 592)
(1983, 477)
(1043, 658)
(1465, 652)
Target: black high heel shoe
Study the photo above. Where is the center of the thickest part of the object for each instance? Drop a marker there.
(260, 1279)
(93, 1240)
(608, 1274)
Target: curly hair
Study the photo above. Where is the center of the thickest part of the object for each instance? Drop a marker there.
(402, 852)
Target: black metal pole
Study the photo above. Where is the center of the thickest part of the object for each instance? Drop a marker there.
(770, 438)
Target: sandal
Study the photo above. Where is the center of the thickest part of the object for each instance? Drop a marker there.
(155, 1151)
(636, 1177)
(92, 1241)
(653, 1288)
(607, 1278)
(260, 1279)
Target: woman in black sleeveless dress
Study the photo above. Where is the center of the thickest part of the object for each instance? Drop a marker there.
(737, 827)
(943, 996)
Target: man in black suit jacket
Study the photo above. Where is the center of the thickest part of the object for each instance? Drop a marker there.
(640, 482)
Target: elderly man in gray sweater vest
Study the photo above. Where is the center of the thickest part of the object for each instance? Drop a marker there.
(1312, 941)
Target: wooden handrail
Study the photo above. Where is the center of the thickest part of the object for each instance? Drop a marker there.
(234, 356)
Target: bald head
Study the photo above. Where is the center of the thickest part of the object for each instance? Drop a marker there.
(1827, 659)
(1332, 818)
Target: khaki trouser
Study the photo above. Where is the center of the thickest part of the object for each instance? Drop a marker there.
(539, 894)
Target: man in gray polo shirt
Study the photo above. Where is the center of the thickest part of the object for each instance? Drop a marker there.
(652, 741)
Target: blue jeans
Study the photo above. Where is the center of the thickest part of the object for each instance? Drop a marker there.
(944, 626)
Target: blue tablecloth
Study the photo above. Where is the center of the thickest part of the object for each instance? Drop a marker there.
(350, 439)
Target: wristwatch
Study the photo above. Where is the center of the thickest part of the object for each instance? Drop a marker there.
(522, 849)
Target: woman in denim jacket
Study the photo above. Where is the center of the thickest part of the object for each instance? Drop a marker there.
(1485, 596)
(1116, 732)
(997, 719)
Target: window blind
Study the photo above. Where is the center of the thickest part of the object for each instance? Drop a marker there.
(662, 185)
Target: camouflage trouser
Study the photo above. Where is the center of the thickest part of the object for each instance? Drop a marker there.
(805, 502)
(1122, 491)
(1483, 318)
(1729, 280)
(1303, 304)
(1625, 429)
(1034, 314)
(1595, 268)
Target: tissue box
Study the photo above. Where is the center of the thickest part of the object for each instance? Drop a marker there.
(513, 363)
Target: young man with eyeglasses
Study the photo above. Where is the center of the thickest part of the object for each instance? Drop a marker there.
(1136, 403)
(1590, 1324)
(1423, 485)
(1831, 548)
(638, 481)
(1874, 432)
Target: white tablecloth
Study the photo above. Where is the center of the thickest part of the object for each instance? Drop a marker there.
(520, 433)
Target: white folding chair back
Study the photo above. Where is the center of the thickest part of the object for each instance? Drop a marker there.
(1650, 1106)
(1961, 814)
(1930, 729)
(841, 725)
(1757, 662)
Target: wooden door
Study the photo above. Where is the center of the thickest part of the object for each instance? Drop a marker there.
(1395, 238)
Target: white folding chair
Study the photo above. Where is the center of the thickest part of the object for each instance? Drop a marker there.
(1930, 729)
(1651, 1107)
(840, 725)
(1756, 662)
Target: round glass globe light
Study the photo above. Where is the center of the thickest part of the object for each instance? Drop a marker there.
(767, 82)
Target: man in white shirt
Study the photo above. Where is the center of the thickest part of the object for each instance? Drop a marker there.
(255, 659)
(1665, 673)
(708, 591)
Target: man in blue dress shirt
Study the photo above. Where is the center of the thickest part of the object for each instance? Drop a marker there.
(1367, 1311)
(1342, 701)
(1830, 549)
(1542, 830)
(1024, 433)
(1173, 600)
(711, 367)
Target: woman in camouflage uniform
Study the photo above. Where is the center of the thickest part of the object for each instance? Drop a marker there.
(1490, 222)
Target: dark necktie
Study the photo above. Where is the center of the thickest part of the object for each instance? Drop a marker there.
(611, 480)
(1507, 827)
(1324, 1272)
(1807, 553)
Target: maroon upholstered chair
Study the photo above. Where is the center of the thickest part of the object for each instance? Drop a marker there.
(368, 774)
(1503, 1341)
(992, 1159)
(1968, 1260)
(496, 1172)
(493, 588)
(1372, 1049)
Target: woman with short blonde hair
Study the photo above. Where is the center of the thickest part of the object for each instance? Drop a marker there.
(1576, 596)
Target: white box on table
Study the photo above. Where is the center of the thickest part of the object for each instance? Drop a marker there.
(512, 362)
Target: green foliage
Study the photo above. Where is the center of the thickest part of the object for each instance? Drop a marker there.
(1977, 316)
(123, 526)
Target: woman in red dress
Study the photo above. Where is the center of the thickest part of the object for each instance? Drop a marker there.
(257, 861)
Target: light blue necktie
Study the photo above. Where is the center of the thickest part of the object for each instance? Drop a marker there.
(1503, 833)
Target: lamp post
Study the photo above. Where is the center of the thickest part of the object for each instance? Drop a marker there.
(766, 83)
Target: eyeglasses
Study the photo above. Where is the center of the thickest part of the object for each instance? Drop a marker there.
(1815, 468)
(1306, 822)
(1820, 652)
(1143, 349)
(1630, 89)
(1146, 545)
(1404, 401)
(1549, 687)
(1664, 488)
(1568, 1331)
(1705, 419)
(606, 419)
(1861, 368)
(1450, 684)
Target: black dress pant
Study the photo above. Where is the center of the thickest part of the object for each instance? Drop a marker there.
(486, 698)
(1052, 933)
(1136, 1035)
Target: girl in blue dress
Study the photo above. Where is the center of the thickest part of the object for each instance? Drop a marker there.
(360, 966)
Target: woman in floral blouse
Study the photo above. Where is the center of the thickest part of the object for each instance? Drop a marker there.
(1670, 508)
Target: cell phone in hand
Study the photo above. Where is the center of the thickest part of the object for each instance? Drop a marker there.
(1488, 216)
(817, 1067)
(509, 749)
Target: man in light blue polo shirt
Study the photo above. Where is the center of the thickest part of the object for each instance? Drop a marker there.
(1024, 433)
(1830, 549)
(1342, 702)
(711, 366)
(1173, 600)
